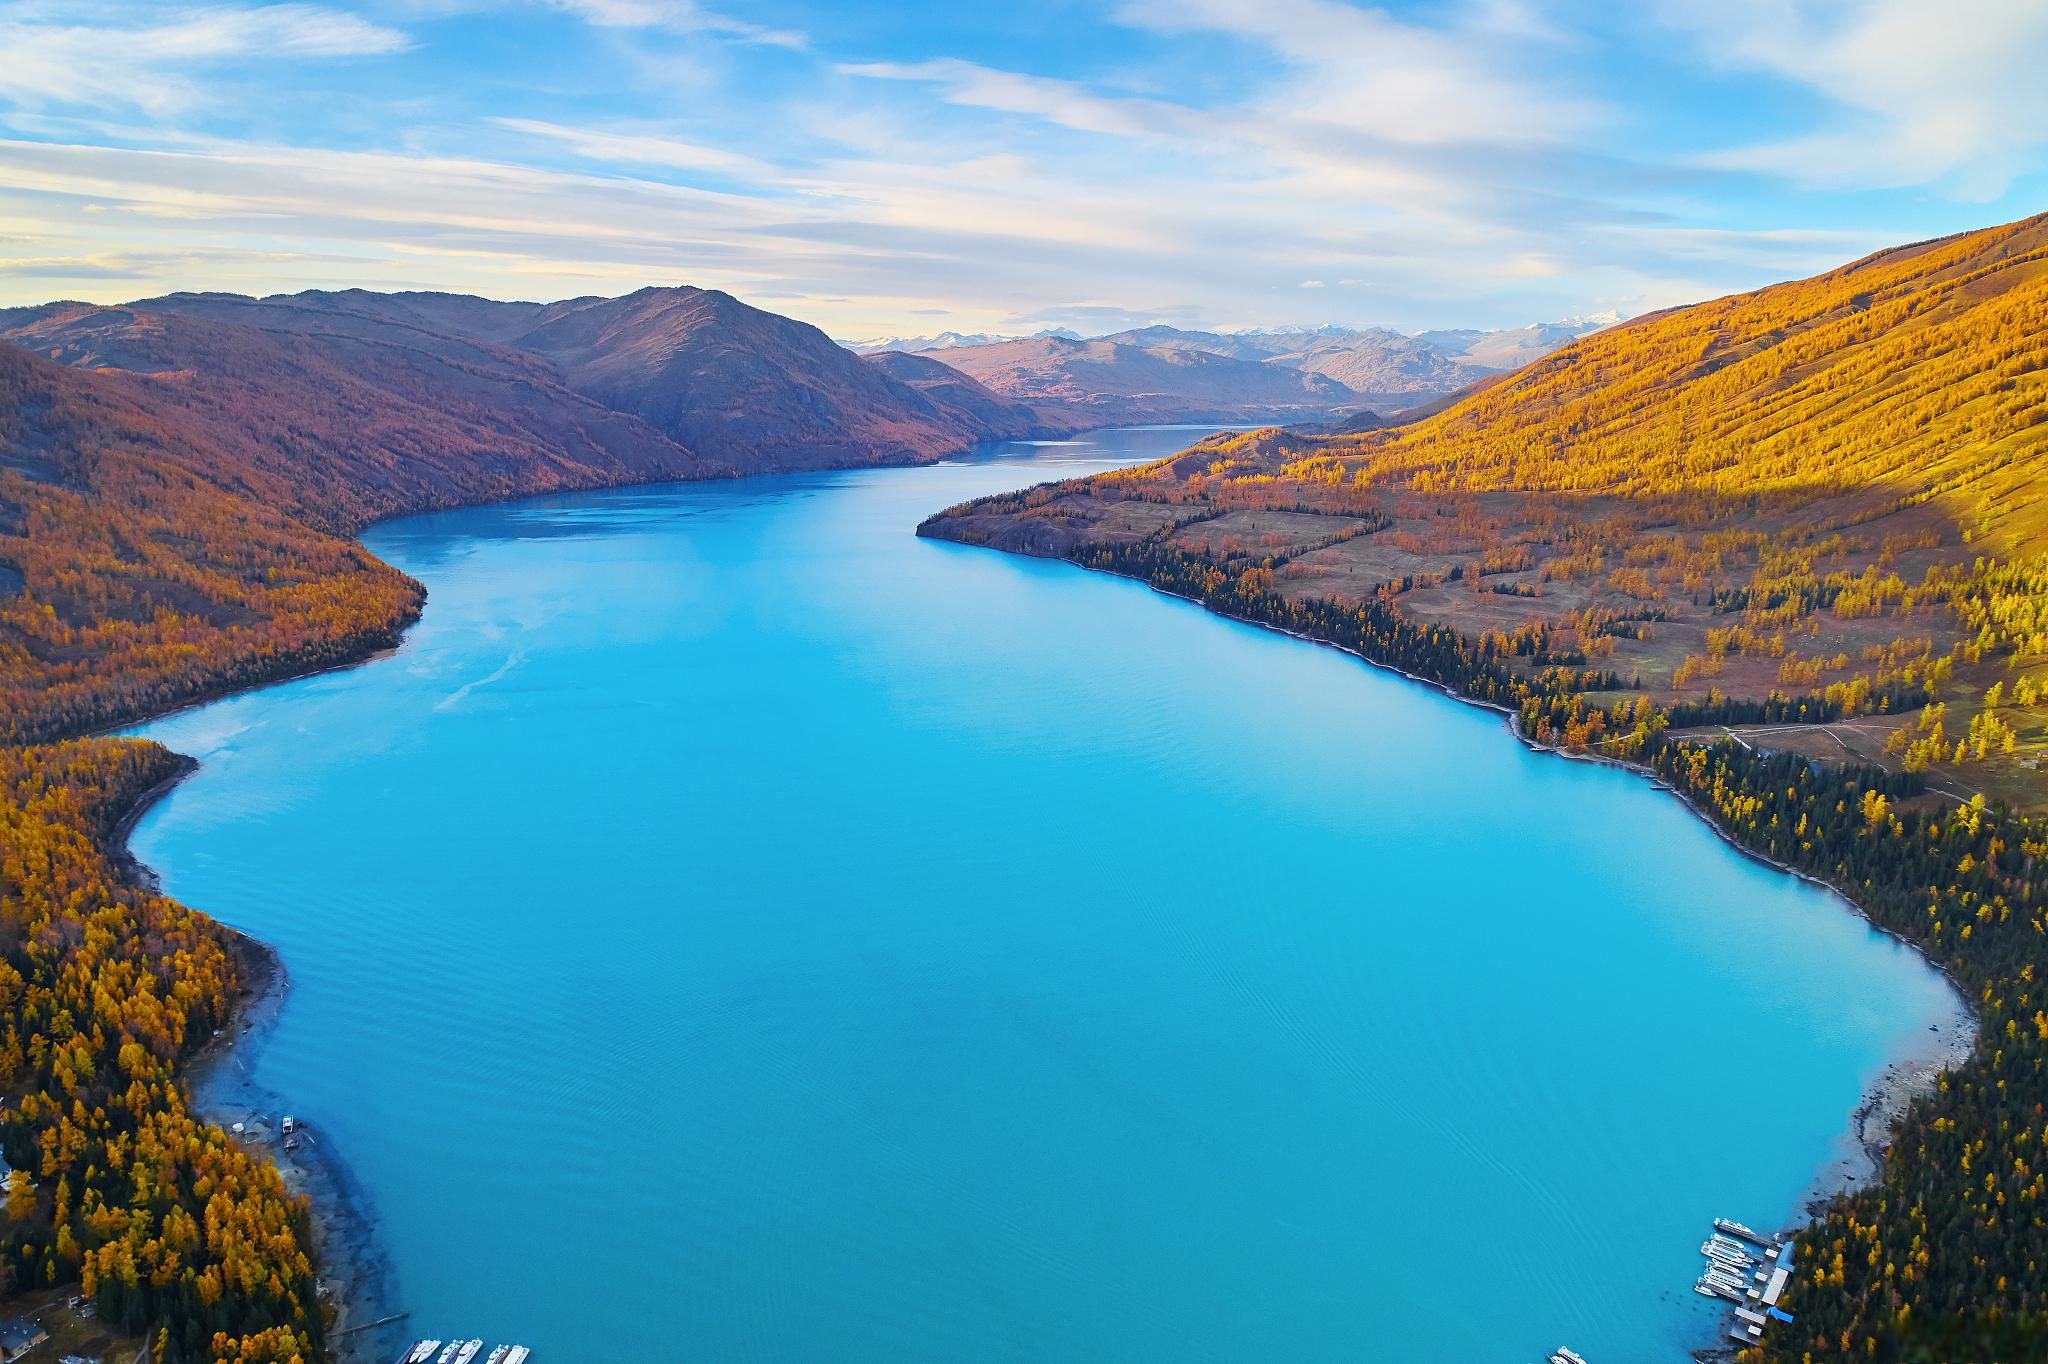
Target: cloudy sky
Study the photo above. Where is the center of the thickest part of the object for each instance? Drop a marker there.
(881, 166)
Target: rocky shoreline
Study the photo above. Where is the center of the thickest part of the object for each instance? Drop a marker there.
(357, 1285)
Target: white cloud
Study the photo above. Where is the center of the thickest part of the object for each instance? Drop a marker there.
(1065, 103)
(112, 63)
(1923, 91)
(678, 16)
(632, 148)
(1365, 72)
(851, 243)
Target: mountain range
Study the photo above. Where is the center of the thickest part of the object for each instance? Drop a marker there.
(395, 401)
(947, 340)
(1151, 374)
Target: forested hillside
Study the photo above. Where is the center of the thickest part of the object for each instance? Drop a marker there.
(175, 1232)
(1786, 550)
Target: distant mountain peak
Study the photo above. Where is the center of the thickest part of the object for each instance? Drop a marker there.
(948, 340)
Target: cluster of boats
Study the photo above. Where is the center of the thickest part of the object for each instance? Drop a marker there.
(1734, 1256)
(462, 1352)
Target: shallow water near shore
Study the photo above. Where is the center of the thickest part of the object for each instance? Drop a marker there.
(731, 928)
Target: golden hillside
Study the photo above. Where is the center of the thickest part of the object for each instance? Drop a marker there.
(1918, 371)
(1815, 501)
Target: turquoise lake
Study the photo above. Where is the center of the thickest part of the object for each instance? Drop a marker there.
(733, 929)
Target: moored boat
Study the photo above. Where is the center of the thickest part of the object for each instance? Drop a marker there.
(1736, 1229)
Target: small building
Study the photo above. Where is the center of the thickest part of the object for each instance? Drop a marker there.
(19, 1335)
(1779, 1278)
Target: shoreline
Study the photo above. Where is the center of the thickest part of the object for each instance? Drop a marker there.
(1857, 1156)
(356, 1278)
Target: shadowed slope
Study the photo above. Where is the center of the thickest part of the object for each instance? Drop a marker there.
(965, 401)
(343, 418)
(743, 385)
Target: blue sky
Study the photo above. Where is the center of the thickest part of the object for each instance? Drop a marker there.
(907, 167)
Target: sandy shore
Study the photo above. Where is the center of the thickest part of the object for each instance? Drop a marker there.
(356, 1280)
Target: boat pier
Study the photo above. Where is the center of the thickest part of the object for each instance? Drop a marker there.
(462, 1352)
(1750, 1270)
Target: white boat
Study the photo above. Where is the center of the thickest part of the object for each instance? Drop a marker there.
(422, 1351)
(518, 1355)
(1738, 1230)
(468, 1351)
(448, 1355)
(497, 1354)
(1564, 1356)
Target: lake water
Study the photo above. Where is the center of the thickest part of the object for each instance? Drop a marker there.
(733, 929)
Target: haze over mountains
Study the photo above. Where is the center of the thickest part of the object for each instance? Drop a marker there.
(1153, 374)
